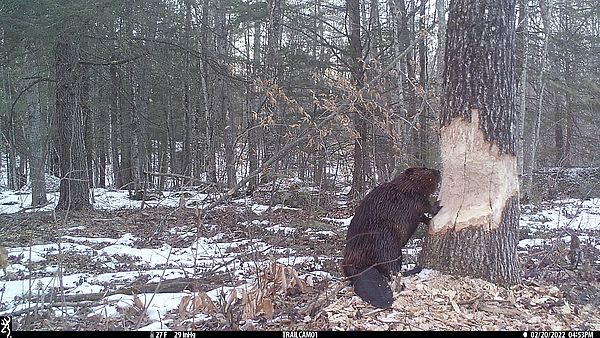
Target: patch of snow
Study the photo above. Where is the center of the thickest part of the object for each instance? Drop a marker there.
(281, 228)
(156, 326)
(67, 311)
(342, 221)
(15, 268)
(259, 208)
(104, 311)
(257, 222)
(88, 239)
(84, 289)
(81, 227)
(296, 260)
(425, 273)
(533, 242)
(326, 233)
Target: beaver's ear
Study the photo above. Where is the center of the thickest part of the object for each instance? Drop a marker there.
(409, 171)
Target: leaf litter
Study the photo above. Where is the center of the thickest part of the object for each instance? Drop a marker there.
(276, 269)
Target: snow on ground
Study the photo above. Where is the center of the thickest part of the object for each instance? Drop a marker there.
(204, 254)
(34, 272)
(104, 199)
(572, 213)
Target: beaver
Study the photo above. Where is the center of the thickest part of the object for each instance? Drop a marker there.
(383, 223)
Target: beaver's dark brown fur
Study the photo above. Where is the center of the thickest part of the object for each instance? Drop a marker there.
(382, 224)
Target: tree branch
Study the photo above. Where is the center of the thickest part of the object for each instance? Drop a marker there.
(305, 133)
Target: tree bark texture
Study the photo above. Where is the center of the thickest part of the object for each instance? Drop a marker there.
(360, 124)
(476, 231)
(74, 183)
(37, 146)
(115, 122)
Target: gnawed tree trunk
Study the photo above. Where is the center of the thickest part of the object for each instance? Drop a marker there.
(74, 184)
(475, 233)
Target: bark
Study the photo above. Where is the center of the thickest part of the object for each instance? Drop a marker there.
(570, 121)
(229, 137)
(253, 137)
(37, 148)
(360, 124)
(440, 9)
(13, 177)
(522, 49)
(563, 123)
(171, 140)
(476, 231)
(544, 9)
(210, 118)
(74, 183)
(89, 123)
(187, 158)
(224, 104)
(421, 136)
(559, 124)
(272, 136)
(115, 122)
(405, 70)
(136, 144)
(129, 128)
(101, 154)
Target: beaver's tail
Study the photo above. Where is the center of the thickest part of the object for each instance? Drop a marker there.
(372, 287)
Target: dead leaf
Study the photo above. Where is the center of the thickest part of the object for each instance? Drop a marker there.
(183, 305)
(267, 307)
(137, 302)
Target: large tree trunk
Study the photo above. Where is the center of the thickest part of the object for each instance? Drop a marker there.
(475, 233)
(37, 146)
(74, 183)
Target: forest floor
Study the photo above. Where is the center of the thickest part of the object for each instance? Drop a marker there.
(249, 267)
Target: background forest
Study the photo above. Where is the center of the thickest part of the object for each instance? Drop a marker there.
(212, 90)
